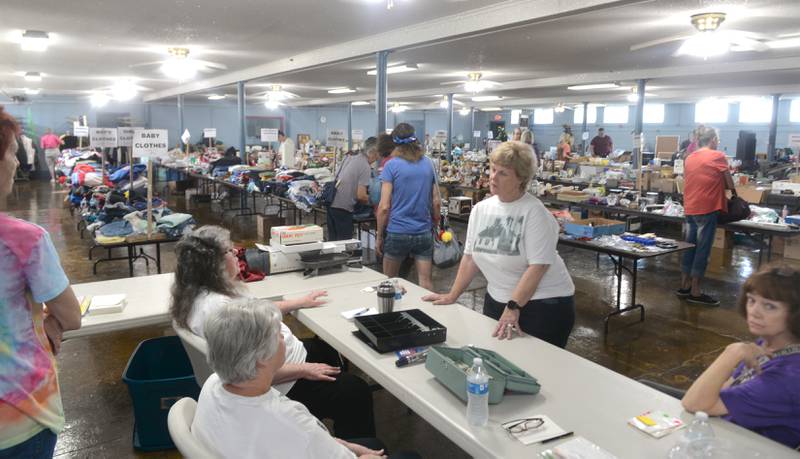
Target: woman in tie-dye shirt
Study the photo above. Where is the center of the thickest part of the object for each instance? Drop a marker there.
(36, 306)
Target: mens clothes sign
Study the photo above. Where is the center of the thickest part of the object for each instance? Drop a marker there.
(103, 137)
(269, 135)
(125, 136)
(337, 138)
(151, 143)
(209, 133)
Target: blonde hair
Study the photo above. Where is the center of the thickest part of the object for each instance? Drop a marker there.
(518, 156)
(527, 136)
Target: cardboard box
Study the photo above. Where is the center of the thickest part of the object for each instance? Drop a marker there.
(662, 185)
(791, 248)
(459, 205)
(299, 234)
(723, 239)
(264, 225)
(594, 227)
(752, 194)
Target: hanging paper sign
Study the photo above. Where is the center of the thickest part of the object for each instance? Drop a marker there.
(210, 133)
(103, 137)
(358, 135)
(440, 136)
(186, 137)
(269, 135)
(476, 134)
(677, 166)
(337, 138)
(515, 114)
(151, 143)
(794, 141)
(80, 131)
(490, 135)
(585, 135)
(125, 136)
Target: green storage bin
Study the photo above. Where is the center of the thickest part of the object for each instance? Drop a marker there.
(158, 374)
(449, 365)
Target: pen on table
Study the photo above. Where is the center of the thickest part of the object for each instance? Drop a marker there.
(361, 311)
(414, 358)
(565, 435)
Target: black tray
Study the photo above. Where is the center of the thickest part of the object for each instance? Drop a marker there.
(391, 331)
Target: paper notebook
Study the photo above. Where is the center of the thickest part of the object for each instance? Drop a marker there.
(102, 304)
(656, 423)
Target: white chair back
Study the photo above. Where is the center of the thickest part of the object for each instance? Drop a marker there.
(197, 349)
(179, 422)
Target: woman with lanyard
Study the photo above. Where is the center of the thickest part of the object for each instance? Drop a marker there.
(511, 240)
(757, 385)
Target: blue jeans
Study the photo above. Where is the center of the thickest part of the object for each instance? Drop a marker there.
(400, 246)
(698, 230)
(39, 446)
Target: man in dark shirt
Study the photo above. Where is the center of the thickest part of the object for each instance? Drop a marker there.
(601, 144)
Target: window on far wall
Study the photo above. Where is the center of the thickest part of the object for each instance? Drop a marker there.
(591, 114)
(794, 111)
(755, 110)
(615, 114)
(653, 113)
(711, 111)
(543, 116)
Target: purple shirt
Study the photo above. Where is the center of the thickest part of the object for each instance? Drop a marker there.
(768, 404)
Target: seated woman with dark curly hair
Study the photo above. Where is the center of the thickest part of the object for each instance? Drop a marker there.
(757, 385)
(206, 278)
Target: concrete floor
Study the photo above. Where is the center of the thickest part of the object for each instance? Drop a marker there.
(674, 344)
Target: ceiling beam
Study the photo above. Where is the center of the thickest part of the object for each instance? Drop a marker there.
(478, 21)
(700, 69)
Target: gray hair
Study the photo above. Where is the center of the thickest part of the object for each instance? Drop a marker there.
(370, 143)
(241, 334)
(200, 268)
(527, 136)
(705, 135)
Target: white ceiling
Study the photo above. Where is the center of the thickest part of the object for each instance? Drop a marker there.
(535, 62)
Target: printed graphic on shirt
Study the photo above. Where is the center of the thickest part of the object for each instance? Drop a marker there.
(501, 237)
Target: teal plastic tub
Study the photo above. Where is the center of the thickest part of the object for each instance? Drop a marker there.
(158, 374)
(449, 365)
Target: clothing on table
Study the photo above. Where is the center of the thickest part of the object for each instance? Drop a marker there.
(355, 173)
(505, 238)
(265, 426)
(602, 145)
(411, 195)
(286, 152)
(768, 403)
(704, 189)
(550, 319)
(49, 141)
(698, 230)
(29, 393)
(208, 303)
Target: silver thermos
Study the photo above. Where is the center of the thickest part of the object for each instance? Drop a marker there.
(386, 292)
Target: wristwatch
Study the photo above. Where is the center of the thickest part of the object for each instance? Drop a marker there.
(513, 305)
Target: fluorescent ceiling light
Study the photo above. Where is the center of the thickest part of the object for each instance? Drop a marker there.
(99, 99)
(33, 76)
(486, 98)
(587, 87)
(35, 40)
(396, 69)
(705, 45)
(360, 102)
(465, 111)
(216, 97)
(123, 90)
(491, 109)
(341, 91)
(32, 92)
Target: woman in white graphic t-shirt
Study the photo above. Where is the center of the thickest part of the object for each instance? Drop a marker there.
(511, 240)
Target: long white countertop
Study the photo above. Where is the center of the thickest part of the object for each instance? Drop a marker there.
(576, 393)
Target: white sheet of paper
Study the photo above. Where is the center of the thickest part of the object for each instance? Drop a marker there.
(581, 448)
(548, 430)
(349, 315)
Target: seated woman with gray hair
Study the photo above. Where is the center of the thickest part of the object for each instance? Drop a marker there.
(206, 278)
(238, 413)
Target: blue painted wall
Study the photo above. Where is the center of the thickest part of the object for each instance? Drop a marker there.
(678, 120)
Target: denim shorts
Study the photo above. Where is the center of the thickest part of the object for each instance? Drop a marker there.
(401, 246)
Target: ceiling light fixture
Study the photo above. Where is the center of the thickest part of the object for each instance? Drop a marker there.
(124, 90)
(31, 91)
(35, 40)
(708, 42)
(272, 104)
(99, 99)
(589, 87)
(474, 84)
(216, 96)
(179, 66)
(465, 111)
(360, 102)
(491, 109)
(341, 91)
(33, 76)
(396, 69)
(397, 108)
(444, 103)
(486, 98)
(707, 22)
(559, 108)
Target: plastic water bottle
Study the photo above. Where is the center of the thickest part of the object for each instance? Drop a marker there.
(696, 440)
(398, 294)
(477, 394)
